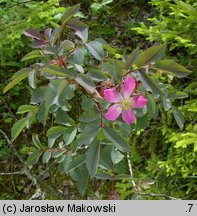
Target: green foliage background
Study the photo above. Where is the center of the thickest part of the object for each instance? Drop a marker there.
(164, 158)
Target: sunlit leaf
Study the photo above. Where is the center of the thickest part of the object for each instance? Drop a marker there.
(18, 77)
(17, 128)
(55, 132)
(24, 109)
(32, 55)
(27, 150)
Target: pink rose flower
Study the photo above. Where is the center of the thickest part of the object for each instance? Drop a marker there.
(123, 102)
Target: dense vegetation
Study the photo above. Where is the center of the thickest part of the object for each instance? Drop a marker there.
(52, 117)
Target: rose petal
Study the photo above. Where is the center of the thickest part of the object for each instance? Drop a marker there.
(112, 95)
(128, 116)
(139, 101)
(113, 112)
(128, 86)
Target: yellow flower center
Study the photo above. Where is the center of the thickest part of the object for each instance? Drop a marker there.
(126, 104)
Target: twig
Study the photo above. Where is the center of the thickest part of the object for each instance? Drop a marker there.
(38, 194)
(26, 171)
(11, 173)
(131, 173)
(9, 110)
(158, 195)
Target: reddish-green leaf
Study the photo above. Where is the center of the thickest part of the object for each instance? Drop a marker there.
(69, 13)
(171, 66)
(76, 24)
(151, 54)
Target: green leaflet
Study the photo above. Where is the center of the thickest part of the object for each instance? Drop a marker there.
(17, 128)
(18, 77)
(178, 117)
(151, 54)
(92, 158)
(34, 157)
(150, 83)
(32, 55)
(132, 57)
(171, 66)
(96, 49)
(118, 141)
(69, 13)
(86, 82)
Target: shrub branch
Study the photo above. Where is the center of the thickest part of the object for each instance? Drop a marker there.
(38, 193)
